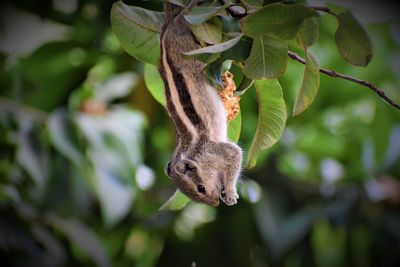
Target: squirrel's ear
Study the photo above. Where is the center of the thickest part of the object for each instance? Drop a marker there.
(185, 165)
(167, 170)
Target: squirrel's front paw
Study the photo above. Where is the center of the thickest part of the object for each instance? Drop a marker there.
(229, 197)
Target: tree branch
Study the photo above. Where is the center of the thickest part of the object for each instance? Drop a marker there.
(335, 74)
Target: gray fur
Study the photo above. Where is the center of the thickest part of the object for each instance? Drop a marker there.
(203, 156)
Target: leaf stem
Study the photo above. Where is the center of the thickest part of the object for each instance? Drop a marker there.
(335, 74)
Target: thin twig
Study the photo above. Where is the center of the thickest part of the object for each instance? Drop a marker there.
(335, 74)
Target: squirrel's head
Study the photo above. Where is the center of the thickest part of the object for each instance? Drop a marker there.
(202, 177)
(196, 180)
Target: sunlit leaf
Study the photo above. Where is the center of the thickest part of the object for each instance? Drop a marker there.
(352, 40)
(279, 19)
(209, 32)
(200, 14)
(154, 83)
(119, 85)
(272, 116)
(234, 128)
(310, 85)
(137, 30)
(114, 142)
(268, 58)
(176, 202)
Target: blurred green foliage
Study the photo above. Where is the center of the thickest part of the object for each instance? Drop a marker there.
(83, 145)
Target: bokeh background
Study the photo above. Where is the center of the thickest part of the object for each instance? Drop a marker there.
(83, 146)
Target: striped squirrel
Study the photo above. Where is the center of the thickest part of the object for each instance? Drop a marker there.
(204, 165)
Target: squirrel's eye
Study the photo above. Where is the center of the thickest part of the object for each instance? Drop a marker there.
(201, 189)
(185, 166)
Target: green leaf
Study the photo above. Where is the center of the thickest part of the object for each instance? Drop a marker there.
(279, 19)
(272, 116)
(245, 84)
(240, 51)
(307, 35)
(230, 24)
(137, 30)
(217, 48)
(176, 202)
(209, 32)
(352, 40)
(64, 137)
(310, 85)
(268, 58)
(200, 14)
(234, 128)
(154, 83)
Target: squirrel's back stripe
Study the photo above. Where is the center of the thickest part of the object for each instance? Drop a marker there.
(185, 98)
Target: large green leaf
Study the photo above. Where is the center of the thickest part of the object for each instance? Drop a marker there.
(279, 19)
(272, 116)
(234, 127)
(240, 51)
(352, 40)
(200, 14)
(268, 58)
(307, 35)
(154, 83)
(176, 202)
(310, 85)
(137, 30)
(209, 32)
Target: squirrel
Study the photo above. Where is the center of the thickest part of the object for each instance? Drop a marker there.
(204, 165)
